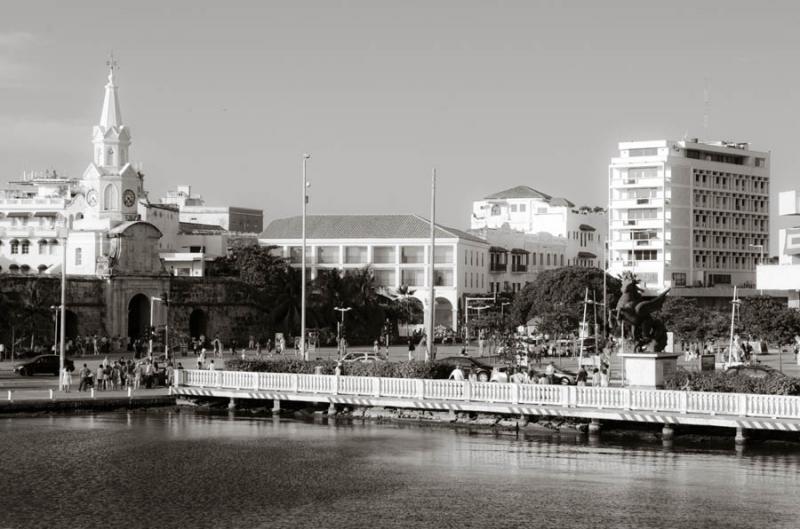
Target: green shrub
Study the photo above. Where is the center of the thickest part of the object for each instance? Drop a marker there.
(412, 369)
(721, 382)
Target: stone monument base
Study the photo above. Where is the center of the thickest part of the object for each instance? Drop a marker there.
(648, 370)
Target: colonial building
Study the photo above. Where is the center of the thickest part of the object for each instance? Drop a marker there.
(530, 211)
(396, 247)
(688, 213)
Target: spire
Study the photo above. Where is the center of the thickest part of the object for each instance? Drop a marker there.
(111, 116)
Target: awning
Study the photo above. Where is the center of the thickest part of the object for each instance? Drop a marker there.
(586, 255)
(52, 214)
(519, 251)
(497, 249)
(586, 227)
(53, 241)
(42, 241)
(20, 214)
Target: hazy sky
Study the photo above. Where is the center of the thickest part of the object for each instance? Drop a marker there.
(226, 96)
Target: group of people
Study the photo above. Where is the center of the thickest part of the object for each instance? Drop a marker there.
(121, 374)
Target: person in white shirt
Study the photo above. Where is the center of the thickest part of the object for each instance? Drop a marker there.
(456, 374)
(211, 366)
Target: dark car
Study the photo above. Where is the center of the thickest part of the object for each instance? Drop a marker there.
(561, 376)
(47, 364)
(468, 365)
(757, 371)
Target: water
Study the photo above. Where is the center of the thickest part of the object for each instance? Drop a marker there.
(164, 470)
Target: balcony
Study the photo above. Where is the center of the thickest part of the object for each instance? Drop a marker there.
(498, 267)
(520, 268)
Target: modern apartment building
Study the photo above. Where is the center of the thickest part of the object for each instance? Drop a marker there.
(396, 247)
(688, 213)
(526, 210)
(785, 276)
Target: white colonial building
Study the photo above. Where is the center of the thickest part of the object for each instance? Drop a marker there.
(529, 211)
(785, 276)
(396, 247)
(688, 213)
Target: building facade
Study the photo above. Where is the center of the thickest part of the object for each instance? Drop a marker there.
(688, 213)
(526, 210)
(194, 210)
(785, 275)
(396, 248)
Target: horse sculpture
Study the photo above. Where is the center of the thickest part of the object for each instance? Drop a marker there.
(635, 310)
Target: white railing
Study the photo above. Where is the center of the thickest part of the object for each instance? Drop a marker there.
(640, 400)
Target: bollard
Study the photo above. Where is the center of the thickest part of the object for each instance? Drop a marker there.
(130, 392)
(667, 432)
(741, 436)
(91, 392)
(52, 395)
(10, 395)
(232, 404)
(594, 427)
(331, 409)
(276, 407)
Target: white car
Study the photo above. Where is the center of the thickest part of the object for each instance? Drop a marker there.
(363, 357)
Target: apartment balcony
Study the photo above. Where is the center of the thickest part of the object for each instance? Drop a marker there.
(498, 267)
(653, 202)
(521, 268)
(32, 203)
(637, 182)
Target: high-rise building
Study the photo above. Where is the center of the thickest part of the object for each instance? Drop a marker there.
(688, 213)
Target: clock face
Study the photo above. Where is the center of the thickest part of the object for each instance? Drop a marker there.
(128, 197)
(91, 197)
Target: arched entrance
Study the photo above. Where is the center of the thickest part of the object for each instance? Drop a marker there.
(138, 316)
(443, 314)
(197, 323)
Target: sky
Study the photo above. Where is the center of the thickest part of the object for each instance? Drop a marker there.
(493, 94)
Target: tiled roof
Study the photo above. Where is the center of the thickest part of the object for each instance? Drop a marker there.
(360, 227)
(519, 192)
(561, 202)
(192, 227)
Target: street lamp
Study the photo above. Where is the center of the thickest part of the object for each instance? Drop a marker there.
(55, 309)
(339, 328)
(303, 352)
(502, 315)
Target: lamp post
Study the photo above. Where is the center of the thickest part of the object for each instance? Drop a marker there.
(55, 309)
(62, 337)
(303, 352)
(341, 310)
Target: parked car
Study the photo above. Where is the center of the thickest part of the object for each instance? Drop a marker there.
(561, 376)
(754, 371)
(363, 357)
(48, 364)
(468, 365)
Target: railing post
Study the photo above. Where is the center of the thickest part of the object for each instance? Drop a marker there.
(376, 386)
(467, 392)
(741, 405)
(295, 383)
(335, 385)
(420, 390)
(572, 396)
(514, 393)
(255, 381)
(564, 396)
(684, 401)
(627, 399)
(218, 376)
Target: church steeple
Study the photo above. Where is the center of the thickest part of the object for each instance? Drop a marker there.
(111, 138)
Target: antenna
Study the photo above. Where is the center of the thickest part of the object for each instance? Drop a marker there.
(706, 105)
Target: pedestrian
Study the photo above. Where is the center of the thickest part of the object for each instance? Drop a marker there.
(85, 377)
(456, 374)
(596, 377)
(410, 349)
(375, 347)
(211, 366)
(2, 351)
(66, 379)
(338, 369)
(99, 378)
(170, 374)
(581, 377)
(604, 379)
(201, 359)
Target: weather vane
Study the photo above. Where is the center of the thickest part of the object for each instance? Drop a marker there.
(112, 62)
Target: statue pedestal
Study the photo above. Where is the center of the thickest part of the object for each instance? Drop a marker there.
(648, 370)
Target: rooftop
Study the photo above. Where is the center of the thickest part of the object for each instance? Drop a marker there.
(361, 227)
(199, 229)
(519, 192)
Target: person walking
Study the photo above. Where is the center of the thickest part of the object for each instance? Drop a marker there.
(604, 378)
(211, 366)
(456, 374)
(581, 377)
(596, 377)
(85, 377)
(201, 359)
(66, 379)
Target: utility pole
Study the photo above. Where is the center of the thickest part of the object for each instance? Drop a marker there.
(430, 354)
(303, 352)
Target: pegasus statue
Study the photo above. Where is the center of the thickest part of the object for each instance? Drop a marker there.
(633, 309)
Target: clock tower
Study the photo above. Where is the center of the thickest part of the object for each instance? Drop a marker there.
(111, 186)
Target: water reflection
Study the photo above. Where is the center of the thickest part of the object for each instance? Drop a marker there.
(195, 470)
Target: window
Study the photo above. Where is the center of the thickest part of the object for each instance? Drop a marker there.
(383, 254)
(495, 211)
(679, 279)
(413, 277)
(513, 208)
(110, 198)
(443, 278)
(644, 213)
(522, 208)
(412, 254)
(26, 247)
(78, 256)
(384, 278)
(648, 151)
(14, 246)
(355, 254)
(443, 255)
(42, 247)
(328, 254)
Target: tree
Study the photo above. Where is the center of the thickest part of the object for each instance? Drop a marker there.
(555, 298)
(768, 319)
(691, 322)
